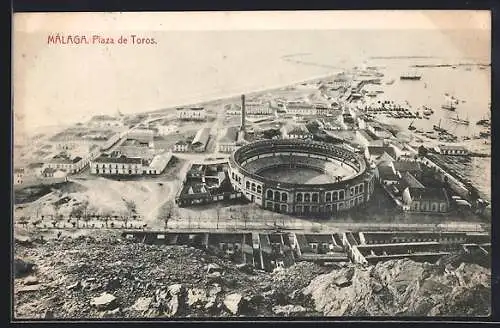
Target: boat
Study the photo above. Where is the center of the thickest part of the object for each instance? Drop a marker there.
(485, 134)
(410, 76)
(460, 120)
(390, 82)
(449, 105)
(427, 117)
(411, 127)
(438, 128)
(484, 122)
(427, 110)
(466, 138)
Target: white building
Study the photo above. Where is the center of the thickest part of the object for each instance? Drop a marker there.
(296, 131)
(258, 108)
(181, 146)
(164, 130)
(300, 108)
(192, 113)
(66, 162)
(228, 142)
(157, 164)
(18, 176)
(452, 150)
(116, 164)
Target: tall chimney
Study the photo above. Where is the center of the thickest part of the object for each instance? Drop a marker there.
(243, 113)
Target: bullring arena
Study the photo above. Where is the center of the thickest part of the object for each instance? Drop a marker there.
(301, 177)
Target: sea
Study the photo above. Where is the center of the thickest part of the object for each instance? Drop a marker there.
(65, 84)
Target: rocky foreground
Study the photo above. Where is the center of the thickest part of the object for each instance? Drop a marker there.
(107, 277)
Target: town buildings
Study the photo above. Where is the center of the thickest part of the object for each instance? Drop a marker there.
(258, 107)
(300, 108)
(181, 146)
(228, 142)
(64, 161)
(433, 200)
(105, 121)
(116, 164)
(452, 150)
(200, 141)
(296, 131)
(191, 113)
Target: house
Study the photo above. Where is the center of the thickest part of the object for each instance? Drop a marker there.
(191, 113)
(228, 142)
(157, 164)
(18, 176)
(54, 173)
(377, 154)
(34, 169)
(386, 174)
(452, 150)
(296, 131)
(366, 138)
(200, 141)
(232, 109)
(65, 162)
(116, 164)
(322, 109)
(167, 129)
(379, 131)
(181, 146)
(412, 167)
(143, 137)
(427, 200)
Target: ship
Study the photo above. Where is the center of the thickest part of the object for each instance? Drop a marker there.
(411, 127)
(438, 127)
(410, 76)
(427, 110)
(390, 82)
(460, 120)
(485, 134)
(449, 105)
(484, 122)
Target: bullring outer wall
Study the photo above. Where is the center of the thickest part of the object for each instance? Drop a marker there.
(301, 199)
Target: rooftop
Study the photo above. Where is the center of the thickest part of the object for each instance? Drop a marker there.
(387, 173)
(407, 166)
(118, 159)
(191, 108)
(380, 150)
(431, 194)
(230, 135)
(201, 136)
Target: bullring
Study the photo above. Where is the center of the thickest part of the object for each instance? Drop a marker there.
(276, 175)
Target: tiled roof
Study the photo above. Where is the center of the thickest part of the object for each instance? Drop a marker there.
(387, 173)
(231, 135)
(201, 136)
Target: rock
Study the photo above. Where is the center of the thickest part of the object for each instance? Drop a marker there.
(215, 290)
(172, 307)
(142, 304)
(212, 267)
(233, 302)
(113, 284)
(31, 288)
(48, 314)
(289, 310)
(22, 267)
(243, 267)
(376, 286)
(112, 313)
(31, 280)
(104, 302)
(75, 286)
(175, 289)
(216, 276)
(210, 304)
(196, 296)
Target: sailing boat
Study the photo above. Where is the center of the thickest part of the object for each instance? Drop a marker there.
(459, 120)
(411, 127)
(449, 104)
(438, 127)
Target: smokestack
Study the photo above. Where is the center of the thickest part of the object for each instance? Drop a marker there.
(243, 113)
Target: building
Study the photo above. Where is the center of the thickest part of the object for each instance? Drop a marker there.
(54, 173)
(116, 164)
(142, 137)
(200, 141)
(181, 146)
(378, 154)
(18, 176)
(379, 131)
(427, 200)
(452, 150)
(105, 121)
(228, 142)
(298, 198)
(258, 108)
(296, 131)
(322, 109)
(166, 129)
(192, 113)
(300, 108)
(366, 138)
(158, 164)
(386, 174)
(407, 166)
(67, 163)
(232, 109)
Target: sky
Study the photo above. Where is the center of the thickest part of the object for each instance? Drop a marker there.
(199, 55)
